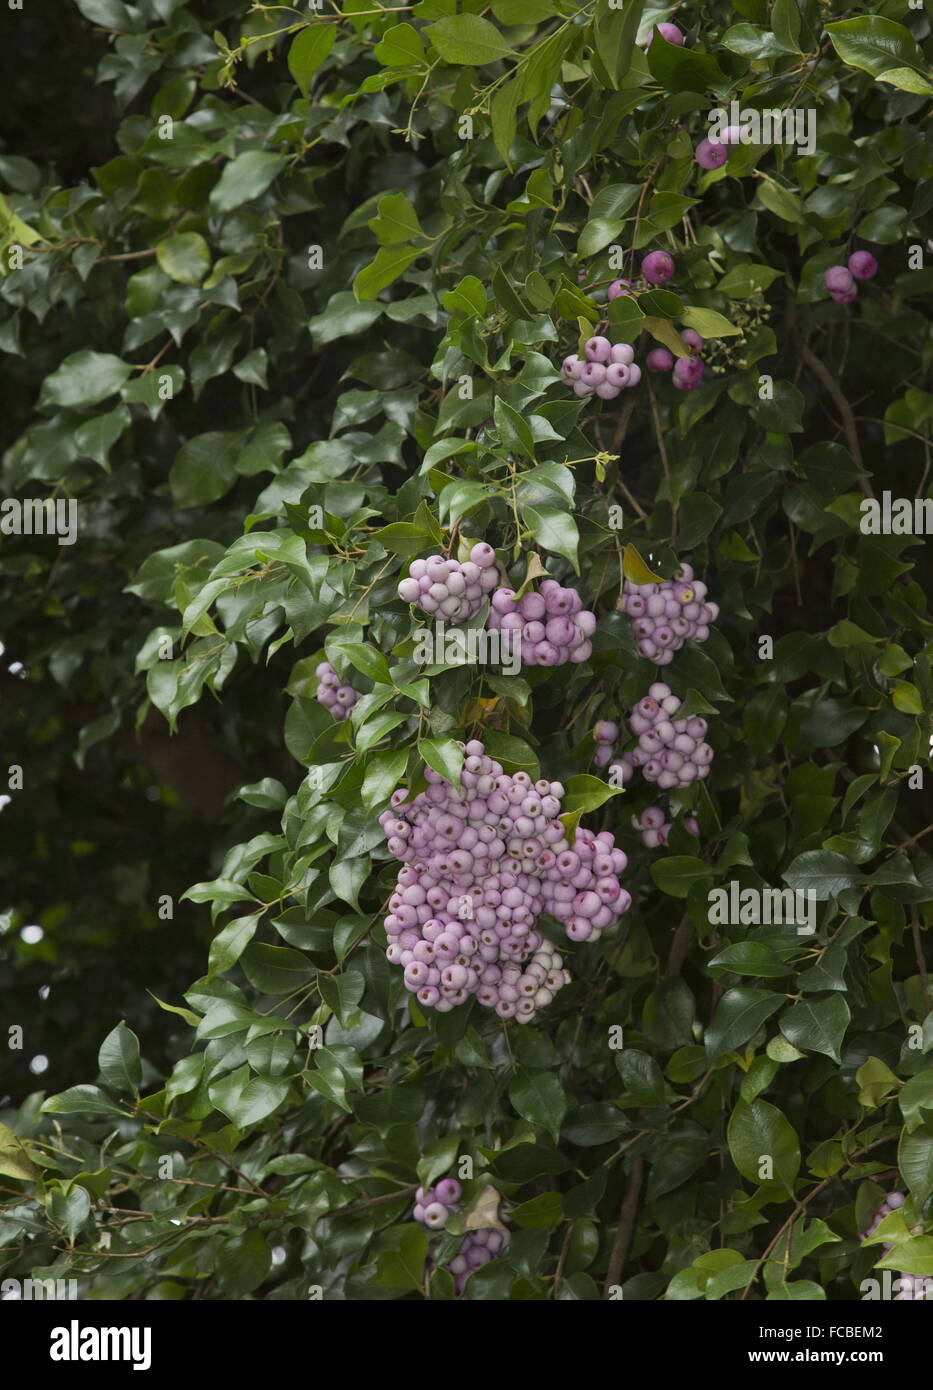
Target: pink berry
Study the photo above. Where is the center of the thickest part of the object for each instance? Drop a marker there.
(863, 265)
(623, 353)
(597, 349)
(657, 267)
(838, 279)
(710, 156)
(618, 375)
(619, 287)
(669, 32)
(659, 360)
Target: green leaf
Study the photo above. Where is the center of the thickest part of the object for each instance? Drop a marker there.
(403, 1268)
(243, 180)
(916, 1097)
(246, 1100)
(401, 46)
(383, 771)
(184, 257)
(915, 1160)
(503, 108)
(739, 1015)
(759, 1132)
(14, 1157)
(445, 756)
(677, 874)
(230, 943)
(389, 264)
(342, 993)
(245, 1261)
(396, 220)
(539, 1098)
(84, 378)
(204, 468)
(366, 659)
(82, 1100)
(524, 1162)
(119, 1062)
(539, 1212)
(707, 322)
(554, 529)
(878, 46)
(742, 281)
(310, 48)
(614, 33)
(821, 872)
(817, 1025)
(467, 40)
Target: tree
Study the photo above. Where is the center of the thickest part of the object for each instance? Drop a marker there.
(292, 318)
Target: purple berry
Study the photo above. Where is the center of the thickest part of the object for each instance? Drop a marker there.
(710, 156)
(838, 279)
(657, 267)
(863, 265)
(669, 32)
(659, 360)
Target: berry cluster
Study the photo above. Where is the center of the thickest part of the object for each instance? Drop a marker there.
(840, 279)
(606, 369)
(667, 614)
(670, 751)
(479, 865)
(448, 589)
(433, 1205)
(339, 699)
(687, 372)
(552, 624)
(477, 1248)
(655, 829)
(606, 735)
(912, 1286)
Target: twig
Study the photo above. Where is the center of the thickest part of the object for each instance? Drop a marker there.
(626, 1226)
(820, 370)
(918, 952)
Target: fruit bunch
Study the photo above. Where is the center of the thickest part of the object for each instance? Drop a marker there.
(448, 589)
(655, 829)
(667, 613)
(840, 280)
(912, 1286)
(479, 866)
(554, 626)
(339, 699)
(687, 372)
(606, 735)
(605, 370)
(433, 1205)
(670, 751)
(476, 1249)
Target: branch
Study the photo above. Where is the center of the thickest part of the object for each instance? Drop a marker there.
(626, 1226)
(820, 370)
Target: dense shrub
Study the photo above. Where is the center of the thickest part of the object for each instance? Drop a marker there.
(324, 292)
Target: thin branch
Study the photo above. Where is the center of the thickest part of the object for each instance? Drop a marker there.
(626, 1226)
(821, 371)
